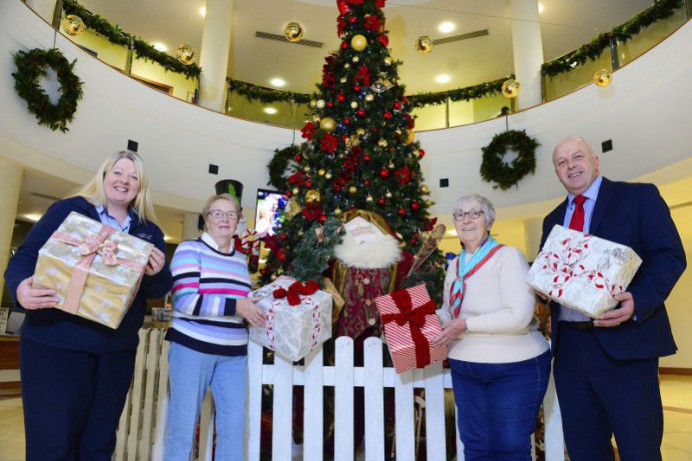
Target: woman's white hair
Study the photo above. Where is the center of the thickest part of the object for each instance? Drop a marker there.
(486, 206)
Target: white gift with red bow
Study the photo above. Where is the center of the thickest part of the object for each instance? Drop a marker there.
(582, 272)
(296, 323)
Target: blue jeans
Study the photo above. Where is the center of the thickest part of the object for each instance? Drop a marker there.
(497, 405)
(190, 374)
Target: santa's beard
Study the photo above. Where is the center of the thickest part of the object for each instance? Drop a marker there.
(376, 254)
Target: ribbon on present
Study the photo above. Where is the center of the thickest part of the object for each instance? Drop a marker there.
(295, 291)
(415, 318)
(247, 242)
(89, 247)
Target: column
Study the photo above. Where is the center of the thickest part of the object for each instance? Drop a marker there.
(533, 229)
(11, 176)
(527, 47)
(190, 230)
(216, 43)
(44, 8)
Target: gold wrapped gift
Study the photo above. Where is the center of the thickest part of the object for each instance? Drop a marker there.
(95, 269)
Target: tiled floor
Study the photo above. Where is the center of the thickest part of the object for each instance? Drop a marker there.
(677, 405)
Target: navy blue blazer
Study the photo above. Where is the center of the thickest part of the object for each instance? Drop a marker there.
(56, 328)
(635, 215)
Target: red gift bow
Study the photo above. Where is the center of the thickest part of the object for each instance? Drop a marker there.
(295, 291)
(416, 319)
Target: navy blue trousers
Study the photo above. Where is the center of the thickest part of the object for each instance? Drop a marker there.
(601, 397)
(72, 401)
(497, 406)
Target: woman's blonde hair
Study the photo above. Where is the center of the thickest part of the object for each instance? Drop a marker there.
(210, 201)
(93, 190)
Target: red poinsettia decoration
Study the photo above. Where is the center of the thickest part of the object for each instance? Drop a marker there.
(296, 178)
(329, 143)
(429, 224)
(404, 174)
(372, 23)
(312, 211)
(380, 3)
(383, 39)
(363, 75)
(308, 131)
(340, 26)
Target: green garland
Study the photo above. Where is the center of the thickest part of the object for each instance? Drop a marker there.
(459, 94)
(117, 36)
(266, 95)
(493, 169)
(661, 9)
(31, 66)
(278, 165)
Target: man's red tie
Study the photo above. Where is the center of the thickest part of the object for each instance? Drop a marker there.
(577, 221)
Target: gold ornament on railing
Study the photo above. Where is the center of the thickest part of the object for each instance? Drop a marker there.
(293, 32)
(186, 54)
(72, 24)
(511, 88)
(424, 44)
(602, 78)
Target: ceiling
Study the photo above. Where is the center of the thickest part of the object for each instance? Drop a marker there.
(565, 25)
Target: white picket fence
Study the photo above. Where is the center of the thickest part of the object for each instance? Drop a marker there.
(142, 424)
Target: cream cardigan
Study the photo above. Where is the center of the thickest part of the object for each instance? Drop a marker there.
(498, 307)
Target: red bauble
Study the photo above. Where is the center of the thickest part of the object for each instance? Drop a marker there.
(421, 153)
(356, 88)
(383, 39)
(344, 45)
(323, 218)
(401, 211)
(330, 104)
(381, 201)
(366, 158)
(343, 7)
(298, 157)
(366, 182)
(289, 193)
(344, 138)
(353, 19)
(281, 255)
(414, 205)
(283, 236)
(387, 115)
(263, 272)
(384, 173)
(361, 112)
(347, 121)
(340, 97)
(397, 105)
(308, 184)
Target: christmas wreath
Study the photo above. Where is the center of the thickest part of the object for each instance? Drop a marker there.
(280, 166)
(506, 175)
(31, 66)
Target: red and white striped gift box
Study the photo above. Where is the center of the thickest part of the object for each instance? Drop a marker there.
(410, 324)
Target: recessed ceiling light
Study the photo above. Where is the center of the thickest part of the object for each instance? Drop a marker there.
(32, 217)
(270, 110)
(159, 46)
(203, 11)
(446, 27)
(541, 7)
(442, 78)
(277, 82)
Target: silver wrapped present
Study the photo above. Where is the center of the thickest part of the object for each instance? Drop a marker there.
(582, 272)
(296, 323)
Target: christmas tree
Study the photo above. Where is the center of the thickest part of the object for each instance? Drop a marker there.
(359, 153)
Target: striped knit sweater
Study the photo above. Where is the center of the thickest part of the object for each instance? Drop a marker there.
(206, 285)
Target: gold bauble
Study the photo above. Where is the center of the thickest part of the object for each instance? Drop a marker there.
(343, 79)
(320, 103)
(424, 44)
(328, 124)
(410, 136)
(391, 165)
(337, 212)
(72, 24)
(368, 198)
(382, 143)
(369, 97)
(312, 196)
(352, 190)
(388, 195)
(425, 189)
(316, 118)
(354, 105)
(186, 54)
(511, 88)
(328, 176)
(602, 78)
(313, 103)
(306, 168)
(355, 59)
(347, 65)
(360, 131)
(321, 172)
(359, 42)
(387, 61)
(293, 32)
(295, 191)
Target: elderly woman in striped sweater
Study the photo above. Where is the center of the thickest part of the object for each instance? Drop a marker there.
(208, 334)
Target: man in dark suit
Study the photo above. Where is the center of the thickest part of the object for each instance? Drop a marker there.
(606, 369)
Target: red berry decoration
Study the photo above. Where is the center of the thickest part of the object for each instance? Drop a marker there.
(341, 98)
(415, 206)
(384, 173)
(401, 211)
(361, 112)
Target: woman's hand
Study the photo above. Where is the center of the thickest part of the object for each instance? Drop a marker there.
(248, 310)
(156, 261)
(30, 297)
(450, 332)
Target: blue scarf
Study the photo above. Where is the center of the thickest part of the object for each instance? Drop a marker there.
(466, 269)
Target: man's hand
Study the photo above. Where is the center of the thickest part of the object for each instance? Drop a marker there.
(450, 332)
(615, 317)
(248, 310)
(30, 297)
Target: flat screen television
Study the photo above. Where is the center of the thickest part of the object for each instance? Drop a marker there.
(269, 212)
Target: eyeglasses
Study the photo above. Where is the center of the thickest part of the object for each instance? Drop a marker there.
(218, 214)
(473, 214)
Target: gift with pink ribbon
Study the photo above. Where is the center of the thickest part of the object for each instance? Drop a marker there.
(299, 317)
(582, 272)
(95, 269)
(410, 324)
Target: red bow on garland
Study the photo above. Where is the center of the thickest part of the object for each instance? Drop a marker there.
(295, 291)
